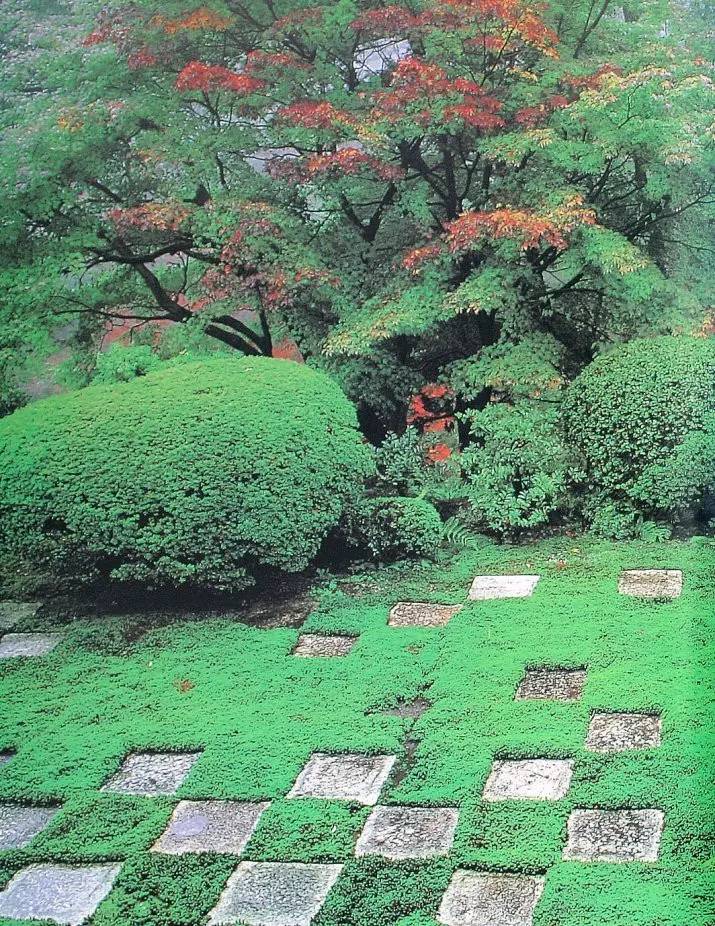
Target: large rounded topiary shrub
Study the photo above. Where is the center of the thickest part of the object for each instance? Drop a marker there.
(198, 474)
(640, 421)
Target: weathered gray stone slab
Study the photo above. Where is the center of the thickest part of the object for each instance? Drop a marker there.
(351, 777)
(421, 614)
(209, 826)
(152, 773)
(486, 588)
(482, 899)
(614, 835)
(274, 894)
(14, 645)
(528, 780)
(65, 894)
(651, 583)
(618, 732)
(408, 832)
(6, 757)
(551, 685)
(12, 612)
(19, 825)
(322, 645)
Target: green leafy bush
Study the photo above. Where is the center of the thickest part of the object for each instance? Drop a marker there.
(198, 474)
(121, 364)
(393, 528)
(640, 422)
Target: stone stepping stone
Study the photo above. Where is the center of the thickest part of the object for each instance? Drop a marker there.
(322, 645)
(422, 614)
(67, 894)
(651, 583)
(614, 835)
(19, 825)
(210, 826)
(11, 612)
(476, 898)
(542, 684)
(618, 732)
(274, 894)
(486, 588)
(6, 757)
(528, 780)
(349, 777)
(408, 832)
(151, 773)
(14, 645)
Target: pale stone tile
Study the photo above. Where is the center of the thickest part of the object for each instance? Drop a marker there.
(422, 614)
(350, 777)
(66, 894)
(651, 583)
(15, 645)
(486, 588)
(152, 773)
(618, 732)
(210, 826)
(476, 898)
(408, 832)
(614, 835)
(529, 780)
(322, 645)
(543, 684)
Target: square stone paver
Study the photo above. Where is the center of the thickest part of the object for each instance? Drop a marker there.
(528, 780)
(618, 732)
(319, 644)
(152, 773)
(651, 583)
(65, 894)
(485, 588)
(614, 835)
(274, 894)
(408, 832)
(551, 685)
(13, 645)
(209, 826)
(351, 777)
(11, 612)
(19, 825)
(476, 898)
(421, 614)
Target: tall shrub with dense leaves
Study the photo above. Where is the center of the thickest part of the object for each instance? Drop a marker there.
(201, 474)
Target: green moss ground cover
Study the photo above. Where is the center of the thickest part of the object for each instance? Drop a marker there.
(257, 713)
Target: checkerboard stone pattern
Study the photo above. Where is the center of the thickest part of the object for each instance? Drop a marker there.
(486, 588)
(542, 684)
(322, 645)
(19, 825)
(618, 732)
(350, 777)
(12, 612)
(422, 614)
(210, 826)
(65, 894)
(614, 835)
(408, 832)
(15, 645)
(152, 773)
(528, 780)
(651, 583)
(274, 894)
(476, 898)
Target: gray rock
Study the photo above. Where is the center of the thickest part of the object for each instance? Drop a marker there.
(66, 894)
(318, 644)
(408, 832)
(476, 898)
(152, 773)
(614, 835)
(19, 825)
(618, 732)
(14, 645)
(6, 757)
(12, 612)
(486, 588)
(210, 826)
(651, 583)
(274, 894)
(529, 780)
(421, 614)
(551, 685)
(350, 777)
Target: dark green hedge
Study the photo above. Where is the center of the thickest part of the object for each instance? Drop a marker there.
(197, 474)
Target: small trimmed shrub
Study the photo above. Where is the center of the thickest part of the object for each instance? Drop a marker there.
(640, 422)
(122, 364)
(393, 528)
(199, 474)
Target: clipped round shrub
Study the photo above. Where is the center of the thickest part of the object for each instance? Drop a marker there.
(640, 422)
(121, 364)
(199, 474)
(393, 528)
